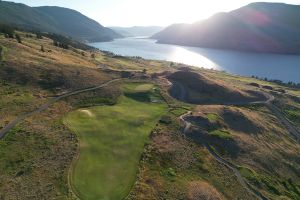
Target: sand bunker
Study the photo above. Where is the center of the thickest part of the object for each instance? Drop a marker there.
(87, 112)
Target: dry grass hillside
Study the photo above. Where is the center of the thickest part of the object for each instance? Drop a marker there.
(175, 168)
(53, 68)
(202, 190)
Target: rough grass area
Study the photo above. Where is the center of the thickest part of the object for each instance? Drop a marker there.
(293, 115)
(260, 144)
(173, 168)
(290, 107)
(275, 186)
(15, 99)
(35, 156)
(112, 139)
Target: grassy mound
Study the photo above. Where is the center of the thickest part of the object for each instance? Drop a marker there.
(194, 88)
(112, 140)
(202, 190)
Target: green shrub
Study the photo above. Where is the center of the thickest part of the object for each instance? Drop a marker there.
(221, 134)
(212, 117)
(96, 101)
(1, 53)
(166, 119)
(18, 38)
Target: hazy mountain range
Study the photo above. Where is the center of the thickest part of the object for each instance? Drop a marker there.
(137, 30)
(55, 20)
(259, 27)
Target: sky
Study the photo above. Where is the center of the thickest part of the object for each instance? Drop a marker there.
(147, 12)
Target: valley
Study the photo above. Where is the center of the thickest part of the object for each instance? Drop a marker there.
(80, 123)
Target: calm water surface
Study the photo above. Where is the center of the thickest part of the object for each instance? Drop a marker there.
(273, 66)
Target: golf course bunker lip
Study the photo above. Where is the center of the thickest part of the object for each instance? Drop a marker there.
(87, 112)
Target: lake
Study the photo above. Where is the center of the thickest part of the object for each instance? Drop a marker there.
(272, 66)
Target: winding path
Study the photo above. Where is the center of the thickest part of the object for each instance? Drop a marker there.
(19, 119)
(268, 103)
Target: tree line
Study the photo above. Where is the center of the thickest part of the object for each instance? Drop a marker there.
(9, 32)
(279, 82)
(58, 40)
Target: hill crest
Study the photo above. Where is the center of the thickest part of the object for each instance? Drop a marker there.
(54, 19)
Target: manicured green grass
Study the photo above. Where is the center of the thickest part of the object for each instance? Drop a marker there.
(112, 140)
(144, 92)
(221, 134)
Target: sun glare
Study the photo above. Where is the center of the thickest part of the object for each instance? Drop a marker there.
(182, 55)
(157, 12)
(170, 11)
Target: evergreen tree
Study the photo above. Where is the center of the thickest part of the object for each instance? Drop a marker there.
(18, 37)
(10, 35)
(7, 30)
(39, 35)
(55, 43)
(1, 53)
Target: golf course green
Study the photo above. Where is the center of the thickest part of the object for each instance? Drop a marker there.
(112, 140)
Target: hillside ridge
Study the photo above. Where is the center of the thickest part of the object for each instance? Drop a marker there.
(257, 27)
(54, 19)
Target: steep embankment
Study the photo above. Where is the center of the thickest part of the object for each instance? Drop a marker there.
(195, 88)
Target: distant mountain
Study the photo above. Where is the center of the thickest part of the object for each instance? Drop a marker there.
(258, 27)
(137, 30)
(55, 20)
